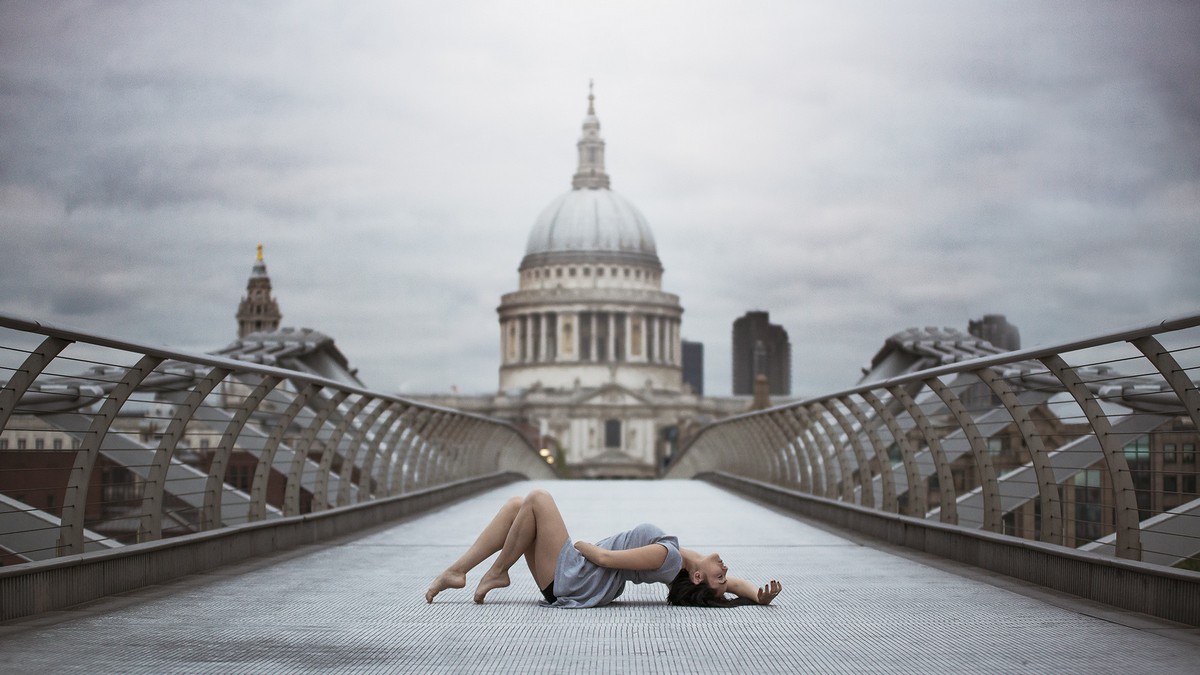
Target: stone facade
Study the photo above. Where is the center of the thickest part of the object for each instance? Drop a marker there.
(590, 343)
(258, 311)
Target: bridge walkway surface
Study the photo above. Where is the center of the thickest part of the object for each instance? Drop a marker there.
(356, 605)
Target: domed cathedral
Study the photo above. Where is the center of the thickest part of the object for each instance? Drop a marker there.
(590, 343)
(590, 310)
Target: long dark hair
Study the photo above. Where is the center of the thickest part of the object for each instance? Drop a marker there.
(681, 591)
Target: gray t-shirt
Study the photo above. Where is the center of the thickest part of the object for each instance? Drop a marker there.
(579, 583)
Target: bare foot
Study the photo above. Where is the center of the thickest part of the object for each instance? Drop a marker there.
(489, 581)
(447, 579)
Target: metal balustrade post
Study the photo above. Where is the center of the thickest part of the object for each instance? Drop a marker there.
(405, 463)
(70, 540)
(363, 442)
(948, 496)
(1125, 509)
(764, 467)
(492, 453)
(791, 458)
(770, 448)
(887, 477)
(481, 440)
(786, 451)
(989, 486)
(295, 477)
(805, 463)
(473, 438)
(816, 468)
(915, 504)
(818, 412)
(25, 374)
(266, 460)
(809, 433)
(1173, 373)
(446, 449)
(426, 451)
(381, 478)
(866, 486)
(739, 451)
(458, 442)
(468, 440)
(1051, 501)
(210, 513)
(150, 523)
(333, 447)
(405, 460)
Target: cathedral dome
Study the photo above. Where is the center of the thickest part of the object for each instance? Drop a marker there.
(591, 220)
(591, 223)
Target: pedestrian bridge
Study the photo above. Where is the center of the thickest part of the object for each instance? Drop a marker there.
(355, 604)
(964, 509)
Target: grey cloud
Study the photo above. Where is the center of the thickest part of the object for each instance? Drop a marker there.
(853, 169)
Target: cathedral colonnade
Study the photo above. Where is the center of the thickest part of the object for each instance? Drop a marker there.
(542, 337)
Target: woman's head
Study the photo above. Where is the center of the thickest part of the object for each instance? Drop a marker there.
(686, 591)
(710, 570)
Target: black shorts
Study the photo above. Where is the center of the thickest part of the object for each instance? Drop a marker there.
(548, 593)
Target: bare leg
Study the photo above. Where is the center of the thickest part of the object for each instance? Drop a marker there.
(489, 541)
(538, 533)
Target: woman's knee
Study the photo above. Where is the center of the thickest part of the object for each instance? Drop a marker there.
(514, 503)
(539, 496)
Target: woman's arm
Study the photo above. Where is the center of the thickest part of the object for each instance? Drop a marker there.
(649, 557)
(744, 589)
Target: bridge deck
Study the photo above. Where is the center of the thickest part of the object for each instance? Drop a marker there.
(358, 607)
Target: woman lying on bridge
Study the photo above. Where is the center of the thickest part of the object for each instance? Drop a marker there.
(589, 575)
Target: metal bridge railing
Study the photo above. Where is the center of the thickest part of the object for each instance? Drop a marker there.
(1090, 444)
(105, 443)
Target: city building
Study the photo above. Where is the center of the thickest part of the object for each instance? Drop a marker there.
(761, 348)
(592, 362)
(258, 312)
(693, 366)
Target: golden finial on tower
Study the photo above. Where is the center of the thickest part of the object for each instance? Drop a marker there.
(259, 258)
(591, 108)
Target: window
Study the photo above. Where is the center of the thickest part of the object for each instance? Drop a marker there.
(1169, 453)
(20, 443)
(612, 433)
(995, 445)
(1189, 484)
(571, 271)
(203, 443)
(1170, 484)
(558, 271)
(599, 271)
(626, 272)
(1137, 451)
(587, 271)
(39, 444)
(58, 444)
(3, 443)
(1189, 453)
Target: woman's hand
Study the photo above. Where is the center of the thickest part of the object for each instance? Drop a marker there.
(768, 592)
(590, 552)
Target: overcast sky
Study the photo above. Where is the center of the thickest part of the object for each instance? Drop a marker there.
(853, 168)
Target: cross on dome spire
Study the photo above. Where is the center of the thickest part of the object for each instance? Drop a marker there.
(591, 172)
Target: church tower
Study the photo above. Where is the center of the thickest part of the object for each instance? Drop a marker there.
(258, 311)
